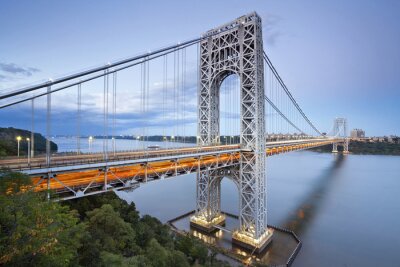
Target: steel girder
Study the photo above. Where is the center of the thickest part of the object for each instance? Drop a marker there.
(238, 50)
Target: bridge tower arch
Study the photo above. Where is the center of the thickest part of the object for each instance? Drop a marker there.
(235, 48)
(340, 130)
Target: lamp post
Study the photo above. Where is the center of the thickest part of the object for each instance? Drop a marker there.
(137, 143)
(18, 140)
(29, 151)
(90, 144)
(113, 145)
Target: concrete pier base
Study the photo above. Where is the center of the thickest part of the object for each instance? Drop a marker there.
(205, 226)
(251, 244)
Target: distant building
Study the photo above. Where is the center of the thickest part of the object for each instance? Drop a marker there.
(357, 133)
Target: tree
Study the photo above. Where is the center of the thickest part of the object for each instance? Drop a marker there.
(178, 259)
(156, 254)
(35, 231)
(111, 232)
(127, 211)
(112, 260)
(199, 252)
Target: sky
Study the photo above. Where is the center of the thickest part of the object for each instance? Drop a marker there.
(338, 58)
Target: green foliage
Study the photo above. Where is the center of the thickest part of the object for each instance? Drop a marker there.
(191, 247)
(150, 227)
(100, 230)
(110, 231)
(35, 231)
(157, 255)
(110, 260)
(13, 182)
(127, 211)
(178, 259)
(8, 142)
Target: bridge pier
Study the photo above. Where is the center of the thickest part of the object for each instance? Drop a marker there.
(345, 145)
(334, 148)
(208, 210)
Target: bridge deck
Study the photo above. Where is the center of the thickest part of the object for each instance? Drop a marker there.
(82, 174)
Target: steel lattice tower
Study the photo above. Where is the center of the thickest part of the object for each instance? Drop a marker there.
(340, 130)
(234, 48)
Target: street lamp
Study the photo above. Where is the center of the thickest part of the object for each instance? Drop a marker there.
(18, 140)
(165, 141)
(90, 144)
(113, 145)
(29, 151)
(137, 143)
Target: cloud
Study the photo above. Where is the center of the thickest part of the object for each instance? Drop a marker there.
(12, 68)
(270, 29)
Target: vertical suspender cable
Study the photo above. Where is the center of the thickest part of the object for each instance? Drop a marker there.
(147, 99)
(183, 92)
(105, 111)
(198, 94)
(32, 128)
(114, 110)
(177, 95)
(165, 94)
(142, 72)
(78, 120)
(174, 99)
(48, 127)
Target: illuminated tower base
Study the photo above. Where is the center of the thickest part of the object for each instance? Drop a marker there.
(250, 243)
(202, 224)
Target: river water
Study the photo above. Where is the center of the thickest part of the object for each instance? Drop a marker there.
(345, 209)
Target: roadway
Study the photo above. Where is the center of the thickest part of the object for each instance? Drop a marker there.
(127, 168)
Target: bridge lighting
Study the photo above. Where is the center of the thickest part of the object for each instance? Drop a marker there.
(18, 140)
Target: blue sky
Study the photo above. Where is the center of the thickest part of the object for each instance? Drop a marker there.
(339, 58)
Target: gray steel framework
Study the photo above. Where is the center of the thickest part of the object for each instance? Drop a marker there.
(236, 51)
(340, 131)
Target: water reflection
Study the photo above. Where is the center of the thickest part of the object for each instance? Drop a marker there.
(344, 208)
(299, 219)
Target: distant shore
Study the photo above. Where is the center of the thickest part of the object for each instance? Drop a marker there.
(366, 148)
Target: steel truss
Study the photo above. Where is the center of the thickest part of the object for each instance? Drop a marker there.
(129, 175)
(236, 51)
(340, 131)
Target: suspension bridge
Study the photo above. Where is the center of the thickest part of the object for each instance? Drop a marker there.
(244, 113)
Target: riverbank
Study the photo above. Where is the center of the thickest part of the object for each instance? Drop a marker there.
(9, 143)
(364, 148)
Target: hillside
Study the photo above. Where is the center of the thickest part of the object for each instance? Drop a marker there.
(9, 147)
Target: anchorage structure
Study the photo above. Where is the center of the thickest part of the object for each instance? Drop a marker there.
(238, 49)
(340, 130)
